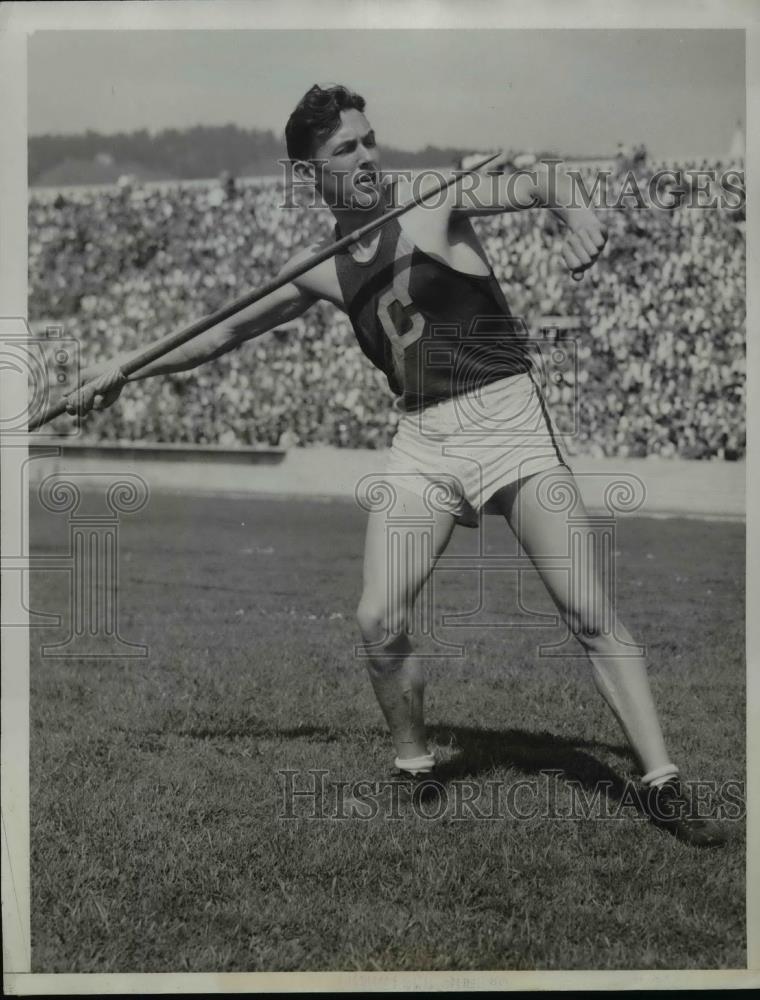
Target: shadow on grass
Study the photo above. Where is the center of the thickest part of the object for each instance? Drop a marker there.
(476, 751)
(481, 750)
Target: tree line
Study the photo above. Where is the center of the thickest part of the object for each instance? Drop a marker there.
(188, 154)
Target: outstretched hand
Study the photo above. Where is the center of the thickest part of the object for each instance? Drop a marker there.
(99, 387)
(582, 245)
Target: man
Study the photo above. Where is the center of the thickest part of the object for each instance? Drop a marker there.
(428, 311)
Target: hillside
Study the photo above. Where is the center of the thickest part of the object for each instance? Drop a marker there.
(203, 151)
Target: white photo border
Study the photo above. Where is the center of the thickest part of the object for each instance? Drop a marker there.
(17, 21)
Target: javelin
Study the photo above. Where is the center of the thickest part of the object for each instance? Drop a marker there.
(168, 343)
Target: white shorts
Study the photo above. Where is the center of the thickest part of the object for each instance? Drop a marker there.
(472, 445)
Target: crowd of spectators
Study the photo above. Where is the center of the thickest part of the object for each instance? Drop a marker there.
(653, 335)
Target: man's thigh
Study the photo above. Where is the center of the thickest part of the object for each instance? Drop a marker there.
(571, 563)
(402, 545)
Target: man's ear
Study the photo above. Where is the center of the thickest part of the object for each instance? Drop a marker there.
(304, 171)
(300, 175)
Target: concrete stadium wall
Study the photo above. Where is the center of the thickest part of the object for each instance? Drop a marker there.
(669, 487)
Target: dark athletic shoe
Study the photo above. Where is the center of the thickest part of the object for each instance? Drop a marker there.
(414, 791)
(395, 796)
(671, 809)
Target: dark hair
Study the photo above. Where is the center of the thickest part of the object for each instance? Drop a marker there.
(316, 117)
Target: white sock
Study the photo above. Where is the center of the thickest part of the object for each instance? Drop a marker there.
(660, 775)
(416, 765)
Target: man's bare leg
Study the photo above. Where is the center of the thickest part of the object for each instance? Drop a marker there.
(620, 677)
(397, 563)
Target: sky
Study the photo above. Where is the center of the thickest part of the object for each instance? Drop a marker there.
(577, 92)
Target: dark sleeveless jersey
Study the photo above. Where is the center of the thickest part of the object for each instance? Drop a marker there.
(434, 331)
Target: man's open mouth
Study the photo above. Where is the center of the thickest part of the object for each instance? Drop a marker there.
(365, 178)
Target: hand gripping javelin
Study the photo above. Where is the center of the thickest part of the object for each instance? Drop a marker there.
(172, 340)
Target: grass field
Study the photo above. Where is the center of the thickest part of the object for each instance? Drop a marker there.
(158, 841)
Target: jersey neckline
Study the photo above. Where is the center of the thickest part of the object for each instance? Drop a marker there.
(387, 202)
(373, 258)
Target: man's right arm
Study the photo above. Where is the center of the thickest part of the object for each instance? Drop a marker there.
(99, 385)
(282, 306)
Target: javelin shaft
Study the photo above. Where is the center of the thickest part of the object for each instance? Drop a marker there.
(173, 340)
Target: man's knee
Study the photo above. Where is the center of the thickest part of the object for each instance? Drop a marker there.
(380, 624)
(600, 635)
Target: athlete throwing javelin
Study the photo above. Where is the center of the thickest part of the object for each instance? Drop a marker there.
(428, 311)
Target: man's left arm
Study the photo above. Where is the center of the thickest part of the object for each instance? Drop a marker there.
(545, 185)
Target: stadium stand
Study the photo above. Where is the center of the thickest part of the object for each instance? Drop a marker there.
(658, 329)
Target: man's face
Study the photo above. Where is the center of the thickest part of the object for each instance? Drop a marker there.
(349, 174)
